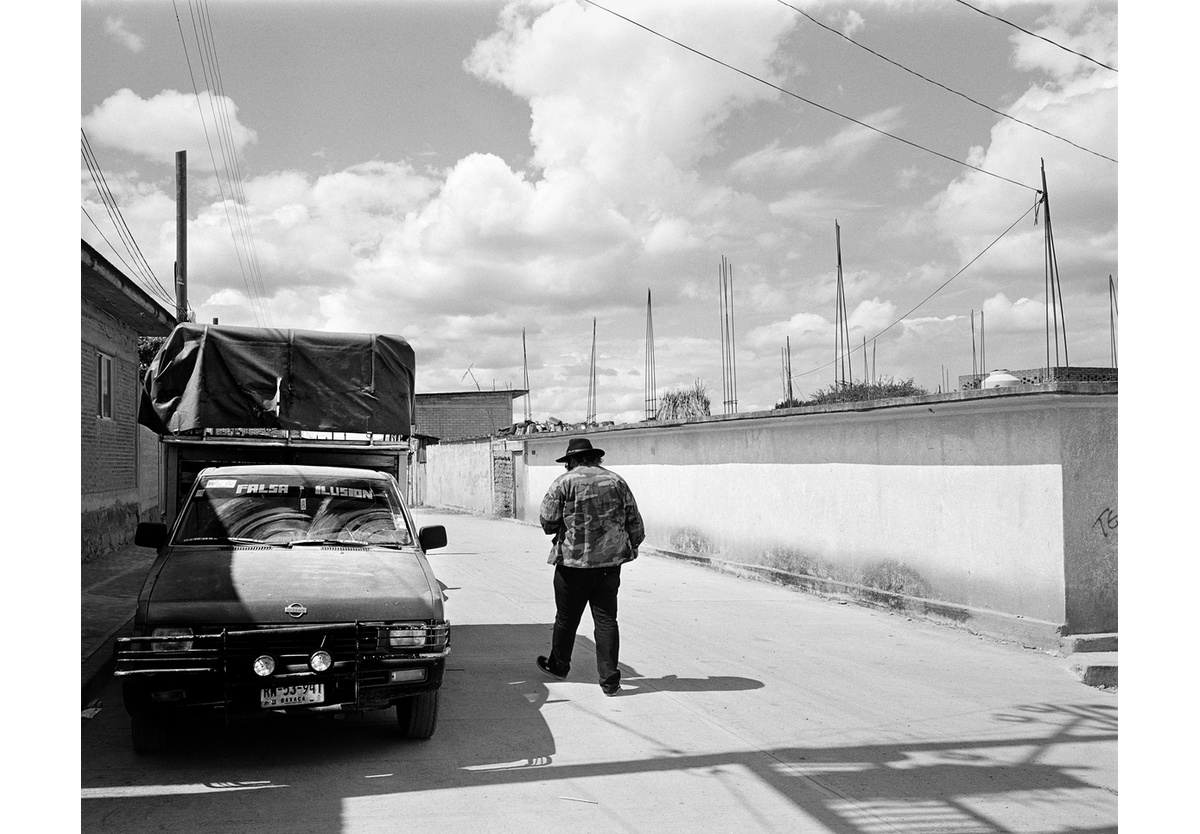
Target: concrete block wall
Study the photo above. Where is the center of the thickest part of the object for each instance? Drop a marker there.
(1037, 376)
(975, 507)
(503, 483)
(463, 415)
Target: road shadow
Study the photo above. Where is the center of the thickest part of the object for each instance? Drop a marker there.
(492, 733)
(633, 683)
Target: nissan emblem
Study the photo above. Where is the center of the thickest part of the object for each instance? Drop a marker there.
(295, 610)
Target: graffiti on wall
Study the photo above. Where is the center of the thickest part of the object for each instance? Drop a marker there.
(1107, 522)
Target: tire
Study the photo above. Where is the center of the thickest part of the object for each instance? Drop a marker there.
(149, 735)
(417, 715)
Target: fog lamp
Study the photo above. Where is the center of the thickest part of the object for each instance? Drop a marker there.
(320, 661)
(264, 665)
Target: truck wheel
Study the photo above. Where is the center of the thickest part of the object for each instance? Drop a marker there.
(149, 735)
(418, 714)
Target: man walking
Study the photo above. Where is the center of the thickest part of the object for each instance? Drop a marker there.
(596, 525)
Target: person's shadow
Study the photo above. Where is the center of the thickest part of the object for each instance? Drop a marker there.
(633, 683)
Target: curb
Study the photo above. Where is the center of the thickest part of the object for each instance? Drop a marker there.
(98, 665)
(1029, 633)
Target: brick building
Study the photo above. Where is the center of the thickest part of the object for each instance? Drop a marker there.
(463, 415)
(119, 467)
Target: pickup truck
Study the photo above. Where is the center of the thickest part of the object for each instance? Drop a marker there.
(290, 574)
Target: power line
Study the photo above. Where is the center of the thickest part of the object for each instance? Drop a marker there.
(160, 292)
(236, 179)
(943, 86)
(1034, 35)
(935, 292)
(224, 140)
(251, 291)
(142, 268)
(799, 97)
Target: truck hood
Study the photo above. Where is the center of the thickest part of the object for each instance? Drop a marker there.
(252, 586)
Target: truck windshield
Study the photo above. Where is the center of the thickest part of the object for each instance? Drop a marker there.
(290, 510)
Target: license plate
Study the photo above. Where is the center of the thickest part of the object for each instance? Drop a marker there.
(290, 696)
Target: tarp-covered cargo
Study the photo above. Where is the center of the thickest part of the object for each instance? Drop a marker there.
(211, 377)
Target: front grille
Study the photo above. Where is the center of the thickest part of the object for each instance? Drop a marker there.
(354, 647)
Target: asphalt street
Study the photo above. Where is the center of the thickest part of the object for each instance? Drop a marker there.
(747, 707)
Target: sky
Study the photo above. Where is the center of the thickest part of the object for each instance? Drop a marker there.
(497, 182)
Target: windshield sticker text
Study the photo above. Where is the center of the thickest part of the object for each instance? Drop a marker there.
(343, 492)
(264, 489)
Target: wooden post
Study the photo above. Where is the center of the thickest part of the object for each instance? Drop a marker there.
(181, 314)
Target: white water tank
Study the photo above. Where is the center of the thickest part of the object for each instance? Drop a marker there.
(1000, 379)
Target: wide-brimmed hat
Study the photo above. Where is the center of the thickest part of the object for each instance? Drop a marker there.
(577, 446)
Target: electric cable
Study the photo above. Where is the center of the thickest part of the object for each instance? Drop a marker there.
(989, 108)
(161, 293)
(932, 294)
(250, 292)
(143, 269)
(1035, 35)
(799, 97)
(225, 134)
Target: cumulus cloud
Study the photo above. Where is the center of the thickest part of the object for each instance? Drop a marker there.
(872, 315)
(1021, 316)
(114, 27)
(157, 127)
(1079, 104)
(853, 21)
(613, 108)
(840, 149)
(631, 184)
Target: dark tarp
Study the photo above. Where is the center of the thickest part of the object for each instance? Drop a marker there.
(216, 376)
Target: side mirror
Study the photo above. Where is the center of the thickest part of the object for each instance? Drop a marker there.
(432, 537)
(151, 534)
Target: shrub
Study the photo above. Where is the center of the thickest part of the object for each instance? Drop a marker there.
(849, 392)
(684, 403)
(691, 541)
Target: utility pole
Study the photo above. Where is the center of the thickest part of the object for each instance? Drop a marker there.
(181, 314)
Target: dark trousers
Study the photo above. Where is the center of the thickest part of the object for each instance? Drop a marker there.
(574, 590)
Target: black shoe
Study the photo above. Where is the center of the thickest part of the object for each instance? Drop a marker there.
(610, 689)
(544, 664)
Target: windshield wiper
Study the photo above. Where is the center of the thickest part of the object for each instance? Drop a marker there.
(327, 543)
(220, 540)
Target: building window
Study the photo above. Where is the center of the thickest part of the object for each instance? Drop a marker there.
(104, 386)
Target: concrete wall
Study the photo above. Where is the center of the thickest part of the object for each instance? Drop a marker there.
(460, 475)
(975, 507)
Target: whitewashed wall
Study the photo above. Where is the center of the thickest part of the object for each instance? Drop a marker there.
(460, 475)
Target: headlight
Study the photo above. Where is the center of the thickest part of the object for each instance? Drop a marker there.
(320, 661)
(405, 637)
(171, 645)
(264, 665)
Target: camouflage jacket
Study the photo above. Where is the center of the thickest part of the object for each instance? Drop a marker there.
(595, 522)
